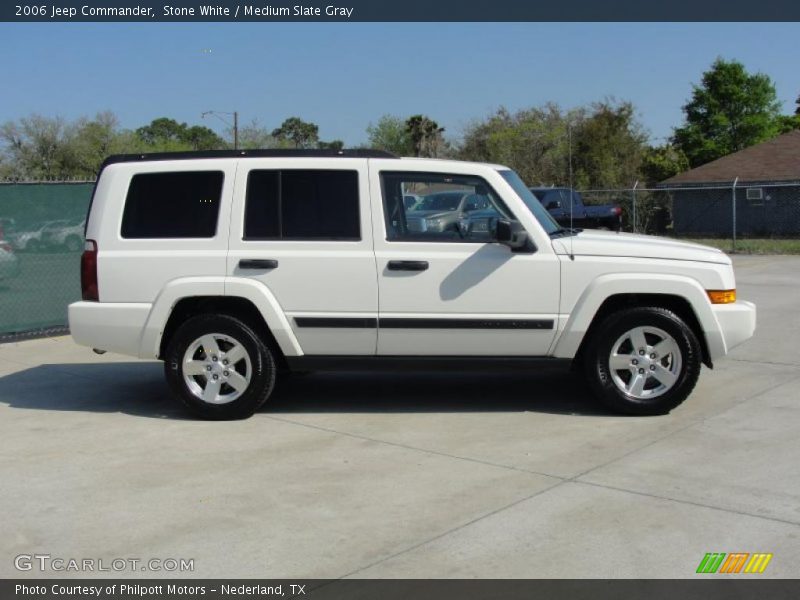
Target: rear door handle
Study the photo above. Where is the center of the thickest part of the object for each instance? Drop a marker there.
(258, 263)
(408, 265)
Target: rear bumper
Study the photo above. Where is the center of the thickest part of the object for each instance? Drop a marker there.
(737, 323)
(112, 326)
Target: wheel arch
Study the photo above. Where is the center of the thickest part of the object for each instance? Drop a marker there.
(234, 306)
(682, 295)
(672, 302)
(246, 299)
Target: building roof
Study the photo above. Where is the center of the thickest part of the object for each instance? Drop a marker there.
(775, 160)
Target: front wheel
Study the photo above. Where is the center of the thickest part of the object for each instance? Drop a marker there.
(219, 368)
(643, 361)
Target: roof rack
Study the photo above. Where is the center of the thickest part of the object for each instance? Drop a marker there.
(269, 153)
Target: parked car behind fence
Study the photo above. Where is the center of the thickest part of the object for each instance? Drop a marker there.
(557, 202)
(63, 235)
(9, 263)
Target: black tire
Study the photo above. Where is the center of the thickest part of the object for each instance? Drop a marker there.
(610, 330)
(262, 368)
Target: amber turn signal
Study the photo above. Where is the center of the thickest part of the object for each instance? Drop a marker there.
(721, 296)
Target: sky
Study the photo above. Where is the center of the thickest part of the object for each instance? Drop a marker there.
(344, 76)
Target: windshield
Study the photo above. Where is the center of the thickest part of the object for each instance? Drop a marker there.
(545, 220)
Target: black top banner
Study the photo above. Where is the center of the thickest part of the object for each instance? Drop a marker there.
(401, 10)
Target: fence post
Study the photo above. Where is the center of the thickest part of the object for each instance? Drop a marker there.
(733, 213)
(633, 202)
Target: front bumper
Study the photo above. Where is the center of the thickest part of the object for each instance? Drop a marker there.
(737, 322)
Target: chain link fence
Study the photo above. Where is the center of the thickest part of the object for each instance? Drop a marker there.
(42, 225)
(41, 240)
(732, 213)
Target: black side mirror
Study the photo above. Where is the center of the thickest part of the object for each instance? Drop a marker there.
(511, 234)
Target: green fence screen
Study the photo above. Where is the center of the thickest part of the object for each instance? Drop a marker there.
(41, 240)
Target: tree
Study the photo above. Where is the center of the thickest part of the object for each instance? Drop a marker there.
(161, 130)
(425, 136)
(202, 138)
(94, 140)
(787, 123)
(298, 132)
(167, 134)
(253, 136)
(730, 110)
(533, 142)
(38, 147)
(332, 145)
(662, 162)
(390, 134)
(607, 144)
(791, 122)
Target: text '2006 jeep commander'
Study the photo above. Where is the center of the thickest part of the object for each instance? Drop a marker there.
(236, 268)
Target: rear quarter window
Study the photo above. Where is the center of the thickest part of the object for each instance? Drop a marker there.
(172, 205)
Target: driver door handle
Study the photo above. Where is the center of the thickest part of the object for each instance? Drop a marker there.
(408, 265)
(258, 263)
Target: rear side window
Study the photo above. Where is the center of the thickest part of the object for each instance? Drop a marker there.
(173, 205)
(302, 205)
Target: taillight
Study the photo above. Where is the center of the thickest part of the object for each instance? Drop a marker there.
(617, 211)
(89, 271)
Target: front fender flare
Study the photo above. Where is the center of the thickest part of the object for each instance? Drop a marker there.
(605, 286)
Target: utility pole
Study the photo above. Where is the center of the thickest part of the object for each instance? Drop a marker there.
(217, 113)
(733, 215)
(235, 130)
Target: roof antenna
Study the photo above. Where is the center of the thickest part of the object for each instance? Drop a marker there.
(571, 203)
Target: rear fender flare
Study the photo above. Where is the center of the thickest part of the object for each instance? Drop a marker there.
(186, 287)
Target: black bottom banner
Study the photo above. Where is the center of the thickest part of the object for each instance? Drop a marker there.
(388, 589)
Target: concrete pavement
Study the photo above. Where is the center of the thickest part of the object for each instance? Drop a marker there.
(408, 476)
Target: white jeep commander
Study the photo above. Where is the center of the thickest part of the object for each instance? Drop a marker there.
(237, 267)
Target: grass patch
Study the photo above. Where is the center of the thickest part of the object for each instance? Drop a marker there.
(753, 246)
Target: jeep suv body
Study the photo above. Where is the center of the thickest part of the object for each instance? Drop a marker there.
(235, 268)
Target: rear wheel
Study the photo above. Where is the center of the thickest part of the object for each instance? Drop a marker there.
(219, 368)
(643, 361)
